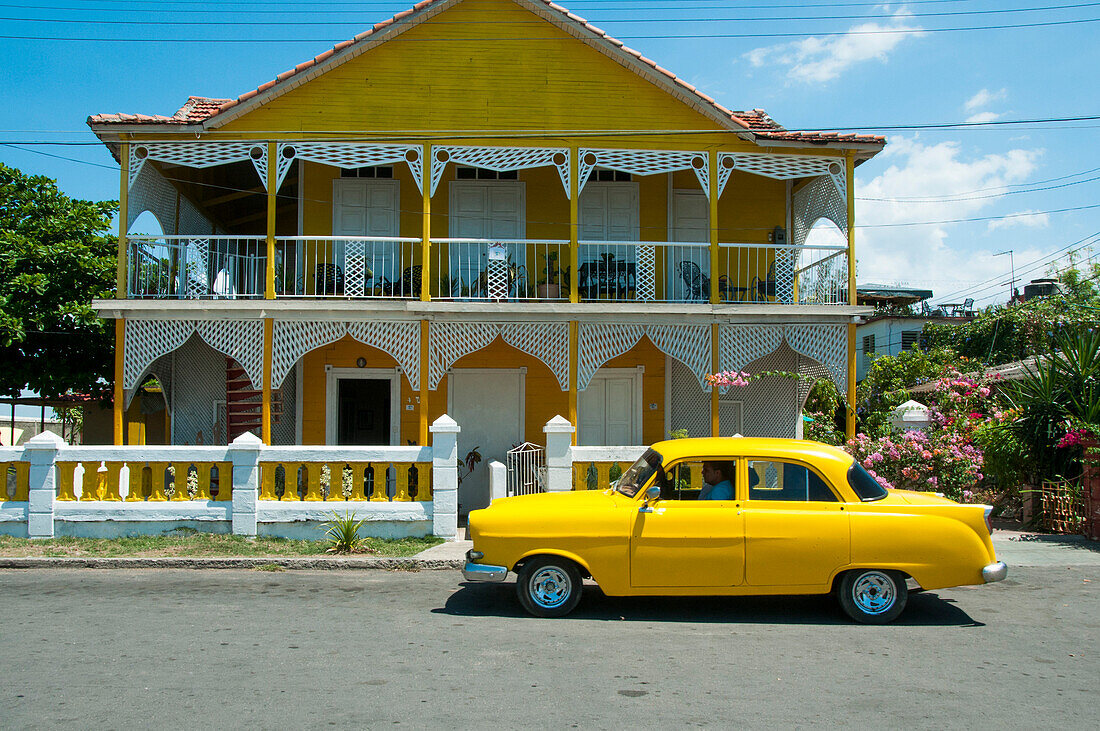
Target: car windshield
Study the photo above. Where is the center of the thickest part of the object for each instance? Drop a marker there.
(639, 473)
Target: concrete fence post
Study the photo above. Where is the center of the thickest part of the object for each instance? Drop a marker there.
(559, 454)
(498, 481)
(41, 451)
(445, 477)
(244, 453)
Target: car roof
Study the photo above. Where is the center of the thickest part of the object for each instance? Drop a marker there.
(732, 447)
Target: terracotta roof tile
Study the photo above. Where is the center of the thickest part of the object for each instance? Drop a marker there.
(201, 109)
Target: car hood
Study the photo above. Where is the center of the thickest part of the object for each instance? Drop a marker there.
(576, 500)
(914, 497)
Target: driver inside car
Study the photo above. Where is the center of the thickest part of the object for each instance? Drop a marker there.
(719, 481)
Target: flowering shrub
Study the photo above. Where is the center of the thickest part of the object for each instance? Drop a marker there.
(941, 461)
(728, 378)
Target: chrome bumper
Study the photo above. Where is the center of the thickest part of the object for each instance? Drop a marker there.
(482, 572)
(995, 572)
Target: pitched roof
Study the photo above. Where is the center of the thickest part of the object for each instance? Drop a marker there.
(198, 110)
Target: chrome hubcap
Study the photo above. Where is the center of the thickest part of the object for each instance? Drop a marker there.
(550, 587)
(874, 592)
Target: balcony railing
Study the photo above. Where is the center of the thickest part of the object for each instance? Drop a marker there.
(471, 269)
(347, 266)
(196, 267)
(500, 269)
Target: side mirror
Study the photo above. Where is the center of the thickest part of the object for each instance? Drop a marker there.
(651, 495)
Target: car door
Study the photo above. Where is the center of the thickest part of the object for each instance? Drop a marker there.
(686, 542)
(796, 527)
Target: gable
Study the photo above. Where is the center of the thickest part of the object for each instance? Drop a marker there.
(479, 65)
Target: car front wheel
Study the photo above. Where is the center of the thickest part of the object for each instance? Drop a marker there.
(549, 586)
(873, 596)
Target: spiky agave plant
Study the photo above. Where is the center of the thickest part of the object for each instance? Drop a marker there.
(342, 533)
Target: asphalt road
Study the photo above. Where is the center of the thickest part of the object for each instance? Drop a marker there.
(374, 649)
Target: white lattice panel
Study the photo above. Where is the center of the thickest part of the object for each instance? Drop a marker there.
(152, 192)
(690, 405)
(449, 341)
(500, 159)
(645, 162)
(647, 273)
(399, 339)
(348, 155)
(197, 252)
(781, 167)
(291, 339)
(770, 404)
(241, 340)
(816, 200)
(597, 344)
(355, 267)
(742, 344)
(827, 344)
(147, 340)
(785, 260)
(199, 384)
(198, 155)
(549, 342)
(689, 344)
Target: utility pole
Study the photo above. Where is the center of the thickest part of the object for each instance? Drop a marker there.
(1012, 281)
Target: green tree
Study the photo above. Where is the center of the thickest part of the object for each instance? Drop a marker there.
(888, 380)
(56, 254)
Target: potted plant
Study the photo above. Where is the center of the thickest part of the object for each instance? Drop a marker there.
(548, 286)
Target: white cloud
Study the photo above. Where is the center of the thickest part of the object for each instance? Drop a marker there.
(944, 256)
(984, 98)
(983, 117)
(1026, 219)
(815, 60)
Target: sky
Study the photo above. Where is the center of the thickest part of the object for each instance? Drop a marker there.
(933, 210)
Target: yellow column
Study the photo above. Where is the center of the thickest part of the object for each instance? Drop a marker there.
(265, 407)
(714, 244)
(423, 431)
(574, 328)
(157, 493)
(269, 279)
(715, 365)
(179, 480)
(574, 235)
(850, 416)
(426, 231)
(123, 205)
(136, 488)
(119, 396)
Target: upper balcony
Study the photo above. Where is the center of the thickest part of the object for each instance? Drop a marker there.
(504, 225)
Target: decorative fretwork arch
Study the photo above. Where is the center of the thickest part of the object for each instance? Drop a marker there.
(826, 344)
(816, 200)
(198, 155)
(781, 167)
(153, 193)
(448, 341)
(148, 340)
(294, 338)
(599, 343)
(500, 159)
(348, 155)
(645, 162)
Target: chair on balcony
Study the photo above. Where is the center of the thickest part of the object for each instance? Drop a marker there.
(763, 290)
(729, 293)
(410, 281)
(696, 284)
(329, 279)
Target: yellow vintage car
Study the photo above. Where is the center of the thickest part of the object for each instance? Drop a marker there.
(773, 516)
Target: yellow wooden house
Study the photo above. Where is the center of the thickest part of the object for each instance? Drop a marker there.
(485, 208)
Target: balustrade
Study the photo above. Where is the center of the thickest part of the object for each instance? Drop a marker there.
(328, 481)
(15, 481)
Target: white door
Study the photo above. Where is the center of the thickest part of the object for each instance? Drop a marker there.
(487, 403)
(365, 207)
(684, 264)
(607, 212)
(484, 210)
(609, 410)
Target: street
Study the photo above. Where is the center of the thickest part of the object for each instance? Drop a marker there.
(359, 649)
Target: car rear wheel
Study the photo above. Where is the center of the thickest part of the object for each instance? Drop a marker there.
(549, 586)
(873, 596)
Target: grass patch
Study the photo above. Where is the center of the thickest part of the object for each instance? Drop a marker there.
(201, 545)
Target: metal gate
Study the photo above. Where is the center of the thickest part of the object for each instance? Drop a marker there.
(526, 469)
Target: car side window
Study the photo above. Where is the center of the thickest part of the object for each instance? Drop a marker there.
(688, 480)
(777, 480)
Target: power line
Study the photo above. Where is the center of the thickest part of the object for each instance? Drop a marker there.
(552, 39)
(954, 196)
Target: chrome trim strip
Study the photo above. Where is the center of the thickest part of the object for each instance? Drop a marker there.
(483, 572)
(995, 572)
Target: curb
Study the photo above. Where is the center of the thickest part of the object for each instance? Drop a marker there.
(294, 564)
